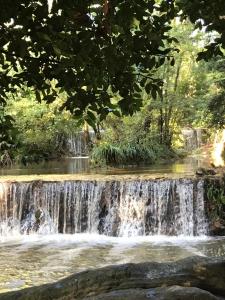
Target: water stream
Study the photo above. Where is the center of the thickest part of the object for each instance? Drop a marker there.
(49, 230)
(77, 165)
(35, 259)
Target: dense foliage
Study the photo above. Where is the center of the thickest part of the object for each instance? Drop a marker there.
(109, 57)
(40, 130)
(130, 140)
(217, 101)
(93, 49)
(189, 88)
(210, 16)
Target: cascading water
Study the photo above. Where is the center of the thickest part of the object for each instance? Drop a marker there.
(113, 208)
(194, 138)
(77, 144)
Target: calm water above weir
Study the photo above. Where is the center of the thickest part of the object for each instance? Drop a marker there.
(81, 165)
(35, 260)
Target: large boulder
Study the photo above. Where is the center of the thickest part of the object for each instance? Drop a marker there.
(162, 293)
(197, 272)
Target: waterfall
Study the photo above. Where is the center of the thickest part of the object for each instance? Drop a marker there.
(199, 138)
(77, 144)
(113, 208)
(193, 138)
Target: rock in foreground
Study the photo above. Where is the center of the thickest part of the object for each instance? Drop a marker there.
(192, 278)
(164, 293)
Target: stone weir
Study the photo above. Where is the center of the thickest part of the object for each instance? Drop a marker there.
(113, 205)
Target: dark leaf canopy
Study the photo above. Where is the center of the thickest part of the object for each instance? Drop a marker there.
(93, 50)
(209, 14)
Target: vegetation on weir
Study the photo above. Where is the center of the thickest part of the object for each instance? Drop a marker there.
(141, 70)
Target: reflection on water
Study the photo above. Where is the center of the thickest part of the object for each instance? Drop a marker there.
(33, 260)
(82, 165)
(64, 166)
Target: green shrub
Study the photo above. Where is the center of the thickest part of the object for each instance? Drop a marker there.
(109, 154)
(41, 128)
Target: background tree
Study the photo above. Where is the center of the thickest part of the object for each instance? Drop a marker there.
(216, 104)
(154, 133)
(41, 129)
(89, 47)
(210, 16)
(93, 47)
(102, 54)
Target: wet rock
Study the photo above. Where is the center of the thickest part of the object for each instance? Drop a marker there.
(211, 172)
(194, 276)
(214, 191)
(164, 293)
(217, 228)
(200, 172)
(204, 171)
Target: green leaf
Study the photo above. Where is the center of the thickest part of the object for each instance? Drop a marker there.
(148, 87)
